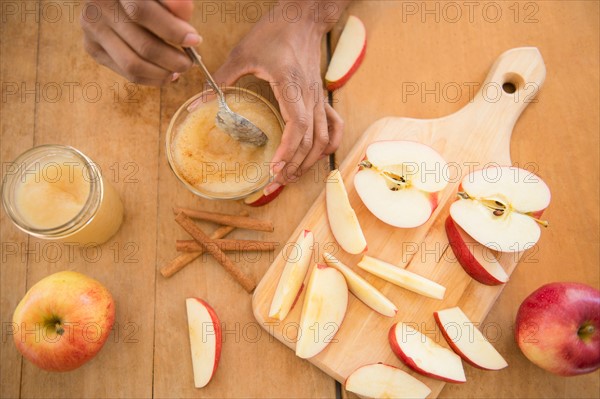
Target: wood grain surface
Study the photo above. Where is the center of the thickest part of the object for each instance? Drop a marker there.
(411, 44)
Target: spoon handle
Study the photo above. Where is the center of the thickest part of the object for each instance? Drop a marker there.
(193, 54)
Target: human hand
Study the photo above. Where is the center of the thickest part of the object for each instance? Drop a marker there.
(139, 39)
(288, 56)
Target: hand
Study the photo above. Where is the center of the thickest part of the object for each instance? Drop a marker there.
(138, 39)
(288, 56)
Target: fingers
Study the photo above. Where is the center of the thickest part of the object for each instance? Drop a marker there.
(320, 137)
(180, 8)
(335, 128)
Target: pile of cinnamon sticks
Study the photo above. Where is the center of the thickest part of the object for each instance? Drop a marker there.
(215, 244)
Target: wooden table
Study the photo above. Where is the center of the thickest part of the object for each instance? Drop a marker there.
(419, 53)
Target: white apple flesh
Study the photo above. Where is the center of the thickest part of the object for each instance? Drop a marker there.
(399, 181)
(292, 277)
(348, 55)
(364, 291)
(63, 321)
(402, 278)
(467, 341)
(424, 355)
(498, 206)
(342, 218)
(476, 259)
(558, 328)
(205, 340)
(383, 381)
(325, 304)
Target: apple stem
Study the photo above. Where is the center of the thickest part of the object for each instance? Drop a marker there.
(498, 208)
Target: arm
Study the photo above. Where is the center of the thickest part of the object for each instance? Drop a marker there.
(285, 50)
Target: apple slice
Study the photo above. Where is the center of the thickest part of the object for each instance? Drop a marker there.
(348, 55)
(325, 303)
(467, 341)
(292, 277)
(425, 356)
(342, 218)
(477, 260)
(402, 278)
(364, 291)
(383, 381)
(499, 206)
(259, 199)
(205, 340)
(398, 182)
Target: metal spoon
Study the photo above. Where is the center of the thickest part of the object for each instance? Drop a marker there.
(231, 123)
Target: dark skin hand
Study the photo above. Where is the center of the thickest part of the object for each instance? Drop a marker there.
(143, 44)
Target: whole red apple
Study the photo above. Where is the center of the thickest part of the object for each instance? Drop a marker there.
(558, 328)
(63, 321)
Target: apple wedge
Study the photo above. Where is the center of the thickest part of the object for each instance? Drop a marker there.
(398, 181)
(259, 199)
(477, 260)
(467, 341)
(325, 303)
(292, 277)
(348, 55)
(425, 356)
(364, 291)
(383, 381)
(205, 340)
(402, 278)
(342, 218)
(499, 207)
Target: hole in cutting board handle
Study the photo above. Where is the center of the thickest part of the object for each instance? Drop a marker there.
(512, 82)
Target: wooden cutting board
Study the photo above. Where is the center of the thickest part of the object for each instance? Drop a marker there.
(475, 136)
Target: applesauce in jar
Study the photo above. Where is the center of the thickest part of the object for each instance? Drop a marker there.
(209, 161)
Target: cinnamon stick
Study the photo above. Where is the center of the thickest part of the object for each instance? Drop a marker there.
(211, 247)
(181, 261)
(242, 222)
(227, 245)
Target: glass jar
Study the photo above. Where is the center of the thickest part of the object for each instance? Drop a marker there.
(210, 163)
(56, 192)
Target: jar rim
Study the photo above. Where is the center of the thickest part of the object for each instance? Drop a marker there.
(11, 181)
(170, 135)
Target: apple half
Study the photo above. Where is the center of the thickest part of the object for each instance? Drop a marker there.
(402, 278)
(364, 291)
(348, 55)
(292, 277)
(342, 218)
(425, 356)
(325, 304)
(260, 199)
(384, 381)
(398, 181)
(205, 340)
(477, 260)
(467, 341)
(499, 207)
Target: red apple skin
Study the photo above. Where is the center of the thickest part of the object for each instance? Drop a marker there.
(218, 332)
(547, 326)
(465, 257)
(331, 86)
(85, 309)
(409, 362)
(265, 199)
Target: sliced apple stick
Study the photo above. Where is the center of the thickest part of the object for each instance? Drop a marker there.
(325, 304)
(292, 277)
(424, 355)
(364, 291)
(402, 278)
(205, 340)
(383, 381)
(477, 260)
(342, 218)
(467, 341)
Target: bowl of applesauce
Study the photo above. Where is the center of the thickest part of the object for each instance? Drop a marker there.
(209, 162)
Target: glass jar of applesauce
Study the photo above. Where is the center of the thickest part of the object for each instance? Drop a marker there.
(56, 192)
(208, 161)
